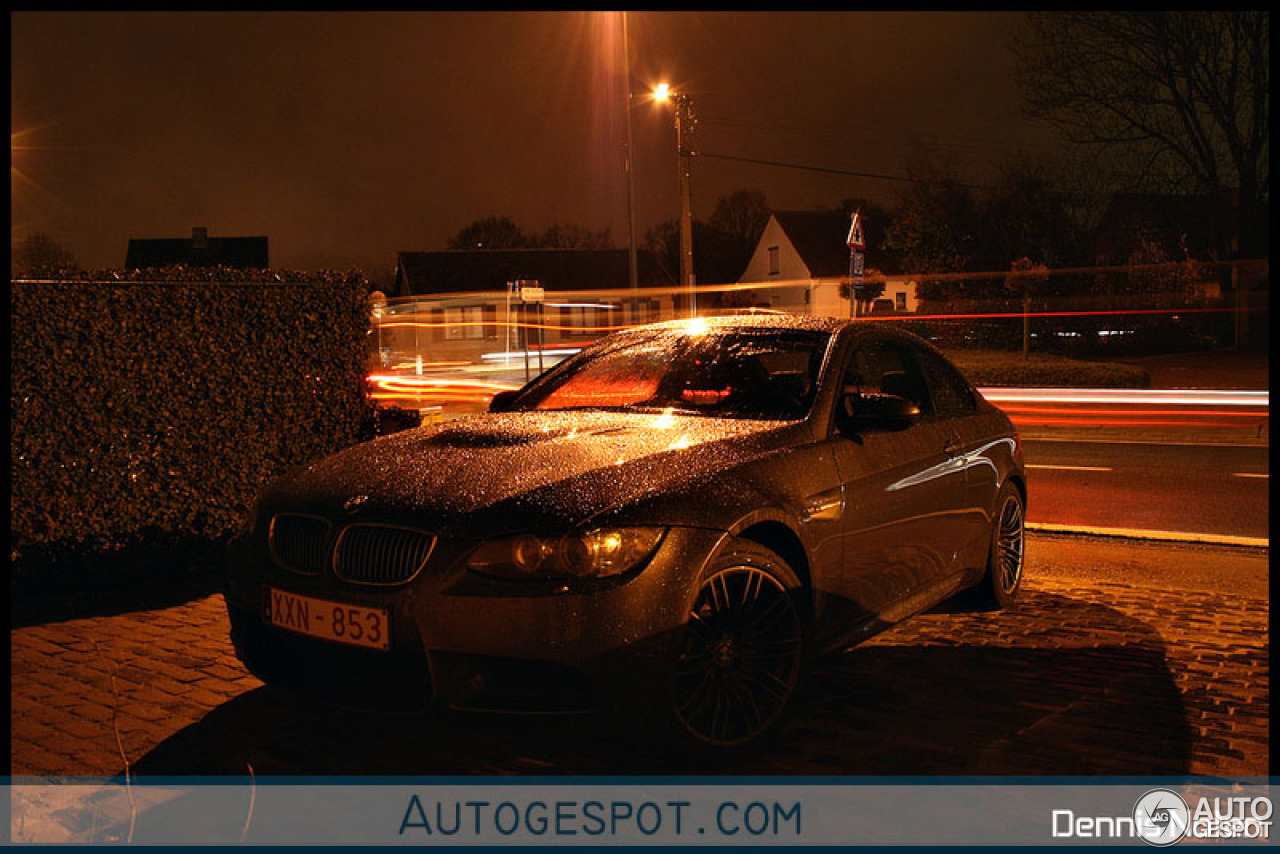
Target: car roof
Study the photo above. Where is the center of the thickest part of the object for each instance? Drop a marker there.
(783, 321)
(761, 320)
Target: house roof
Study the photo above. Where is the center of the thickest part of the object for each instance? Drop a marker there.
(819, 238)
(199, 250)
(457, 271)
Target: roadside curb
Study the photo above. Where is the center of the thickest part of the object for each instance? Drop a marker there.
(1161, 536)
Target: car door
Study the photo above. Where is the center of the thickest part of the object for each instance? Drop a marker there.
(904, 490)
(955, 404)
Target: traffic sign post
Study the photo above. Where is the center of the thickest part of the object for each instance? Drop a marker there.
(857, 273)
(531, 292)
(857, 243)
(855, 239)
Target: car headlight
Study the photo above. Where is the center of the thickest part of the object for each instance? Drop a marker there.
(597, 553)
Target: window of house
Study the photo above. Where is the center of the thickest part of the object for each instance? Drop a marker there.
(464, 322)
(900, 301)
(774, 261)
(635, 312)
(575, 319)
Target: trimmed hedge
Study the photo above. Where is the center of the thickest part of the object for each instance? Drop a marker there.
(154, 411)
(998, 368)
(1109, 333)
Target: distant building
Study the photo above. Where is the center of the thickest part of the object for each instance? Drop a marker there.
(458, 271)
(200, 250)
(804, 254)
(466, 295)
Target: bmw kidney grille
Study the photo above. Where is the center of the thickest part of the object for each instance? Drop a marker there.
(381, 554)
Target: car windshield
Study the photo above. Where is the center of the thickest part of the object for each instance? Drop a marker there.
(735, 373)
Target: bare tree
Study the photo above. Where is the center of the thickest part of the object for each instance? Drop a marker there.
(39, 253)
(1026, 215)
(489, 233)
(572, 236)
(500, 232)
(741, 216)
(1182, 95)
(934, 226)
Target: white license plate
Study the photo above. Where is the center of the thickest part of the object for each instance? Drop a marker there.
(335, 621)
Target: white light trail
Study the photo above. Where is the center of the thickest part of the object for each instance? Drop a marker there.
(532, 354)
(1175, 396)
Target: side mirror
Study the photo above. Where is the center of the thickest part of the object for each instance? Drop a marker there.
(501, 400)
(875, 413)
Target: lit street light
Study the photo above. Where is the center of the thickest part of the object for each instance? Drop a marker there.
(685, 123)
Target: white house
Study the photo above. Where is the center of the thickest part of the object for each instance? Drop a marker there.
(803, 257)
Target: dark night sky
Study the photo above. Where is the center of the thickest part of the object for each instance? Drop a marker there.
(347, 137)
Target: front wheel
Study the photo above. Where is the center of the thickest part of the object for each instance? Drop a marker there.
(739, 659)
(999, 587)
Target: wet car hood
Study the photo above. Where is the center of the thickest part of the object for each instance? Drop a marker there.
(523, 471)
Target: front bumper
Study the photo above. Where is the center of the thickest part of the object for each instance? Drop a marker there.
(465, 642)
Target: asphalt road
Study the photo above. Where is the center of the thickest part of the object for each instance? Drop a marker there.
(1204, 489)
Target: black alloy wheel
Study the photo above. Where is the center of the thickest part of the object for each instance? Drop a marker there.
(740, 660)
(1009, 545)
(999, 589)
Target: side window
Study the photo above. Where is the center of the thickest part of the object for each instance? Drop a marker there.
(951, 393)
(886, 366)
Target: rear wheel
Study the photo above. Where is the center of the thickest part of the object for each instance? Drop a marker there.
(739, 659)
(999, 588)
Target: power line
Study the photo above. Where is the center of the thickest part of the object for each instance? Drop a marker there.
(825, 169)
(873, 135)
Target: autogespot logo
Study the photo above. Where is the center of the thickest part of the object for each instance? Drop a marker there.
(1161, 817)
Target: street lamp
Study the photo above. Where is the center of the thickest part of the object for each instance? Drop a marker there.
(685, 123)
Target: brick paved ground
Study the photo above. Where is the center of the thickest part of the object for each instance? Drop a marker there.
(1132, 675)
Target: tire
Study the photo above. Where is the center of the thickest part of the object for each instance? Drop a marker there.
(1007, 556)
(738, 662)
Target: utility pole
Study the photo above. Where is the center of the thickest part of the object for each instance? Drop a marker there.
(684, 142)
(632, 267)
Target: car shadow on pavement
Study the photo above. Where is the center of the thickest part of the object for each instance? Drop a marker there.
(141, 578)
(1055, 686)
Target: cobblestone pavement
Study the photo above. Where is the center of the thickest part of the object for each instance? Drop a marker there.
(1130, 675)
